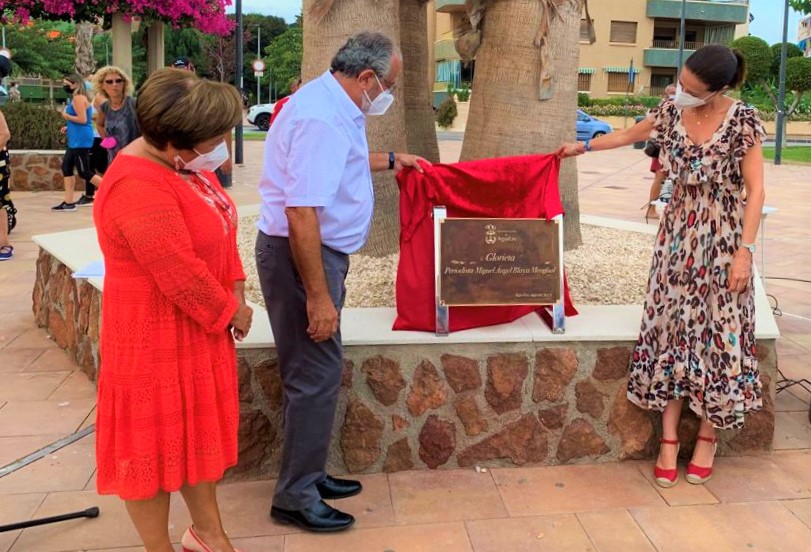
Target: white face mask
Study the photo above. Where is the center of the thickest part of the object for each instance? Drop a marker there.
(684, 100)
(210, 161)
(380, 104)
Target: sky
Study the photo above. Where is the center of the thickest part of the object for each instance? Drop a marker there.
(768, 22)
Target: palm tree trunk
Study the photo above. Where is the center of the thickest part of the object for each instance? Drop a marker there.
(419, 113)
(506, 117)
(85, 63)
(322, 38)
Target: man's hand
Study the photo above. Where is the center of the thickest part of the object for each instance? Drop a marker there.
(402, 160)
(323, 318)
(741, 270)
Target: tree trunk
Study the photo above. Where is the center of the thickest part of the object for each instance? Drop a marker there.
(322, 38)
(85, 62)
(506, 118)
(416, 85)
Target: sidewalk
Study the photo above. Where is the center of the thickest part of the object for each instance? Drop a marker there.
(751, 504)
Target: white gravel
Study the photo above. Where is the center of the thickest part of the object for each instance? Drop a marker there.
(611, 268)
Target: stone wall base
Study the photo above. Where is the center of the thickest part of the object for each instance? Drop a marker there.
(38, 172)
(436, 407)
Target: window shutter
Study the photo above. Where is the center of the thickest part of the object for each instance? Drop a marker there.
(623, 32)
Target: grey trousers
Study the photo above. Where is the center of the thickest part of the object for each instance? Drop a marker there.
(310, 371)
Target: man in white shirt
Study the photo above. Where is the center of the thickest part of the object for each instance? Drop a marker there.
(317, 202)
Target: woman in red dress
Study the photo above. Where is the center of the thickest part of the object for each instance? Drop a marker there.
(168, 407)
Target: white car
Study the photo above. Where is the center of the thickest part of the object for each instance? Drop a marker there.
(259, 115)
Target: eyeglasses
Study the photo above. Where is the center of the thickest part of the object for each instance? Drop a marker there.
(113, 81)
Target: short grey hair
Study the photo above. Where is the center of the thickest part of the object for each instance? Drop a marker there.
(365, 50)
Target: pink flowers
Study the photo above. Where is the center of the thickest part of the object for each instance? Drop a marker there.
(206, 15)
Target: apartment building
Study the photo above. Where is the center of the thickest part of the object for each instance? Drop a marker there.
(644, 33)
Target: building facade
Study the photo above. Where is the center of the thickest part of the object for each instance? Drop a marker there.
(639, 33)
(804, 36)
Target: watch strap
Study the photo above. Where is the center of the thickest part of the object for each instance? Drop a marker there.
(391, 160)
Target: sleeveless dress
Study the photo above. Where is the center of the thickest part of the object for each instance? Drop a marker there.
(697, 340)
(168, 405)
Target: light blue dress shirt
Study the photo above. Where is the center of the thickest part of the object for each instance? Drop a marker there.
(317, 155)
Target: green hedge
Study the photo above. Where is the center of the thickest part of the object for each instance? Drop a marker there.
(34, 126)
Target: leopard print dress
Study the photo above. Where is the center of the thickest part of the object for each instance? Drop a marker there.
(697, 341)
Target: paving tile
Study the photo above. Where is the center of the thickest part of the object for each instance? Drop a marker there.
(53, 359)
(561, 533)
(43, 417)
(795, 367)
(75, 386)
(111, 529)
(801, 509)
(615, 530)
(683, 494)
(258, 544)
(30, 386)
(571, 489)
(245, 510)
(785, 347)
(795, 463)
(17, 360)
(14, 509)
(786, 402)
(719, 527)
(440, 496)
(373, 506)
(792, 430)
(445, 537)
(67, 469)
(754, 479)
(14, 448)
(32, 339)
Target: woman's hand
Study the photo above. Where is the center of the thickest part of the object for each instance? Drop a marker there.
(570, 150)
(741, 270)
(63, 130)
(241, 321)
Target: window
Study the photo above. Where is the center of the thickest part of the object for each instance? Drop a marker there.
(584, 82)
(623, 32)
(584, 30)
(617, 82)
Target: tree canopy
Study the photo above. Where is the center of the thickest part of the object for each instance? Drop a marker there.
(283, 57)
(803, 6)
(205, 15)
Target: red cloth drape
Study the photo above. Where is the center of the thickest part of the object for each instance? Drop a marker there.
(509, 187)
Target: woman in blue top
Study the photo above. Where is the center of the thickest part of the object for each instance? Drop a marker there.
(79, 128)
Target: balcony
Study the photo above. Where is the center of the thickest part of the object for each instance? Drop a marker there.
(450, 6)
(717, 11)
(665, 53)
(444, 49)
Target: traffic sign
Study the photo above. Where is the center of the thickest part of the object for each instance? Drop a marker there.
(258, 65)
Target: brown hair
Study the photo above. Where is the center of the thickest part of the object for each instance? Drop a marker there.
(77, 79)
(177, 107)
(103, 73)
(718, 67)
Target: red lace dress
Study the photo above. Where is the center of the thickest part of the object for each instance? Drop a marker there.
(168, 406)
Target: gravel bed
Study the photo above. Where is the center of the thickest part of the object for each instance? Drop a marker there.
(610, 268)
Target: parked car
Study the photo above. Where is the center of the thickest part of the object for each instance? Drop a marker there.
(589, 127)
(259, 115)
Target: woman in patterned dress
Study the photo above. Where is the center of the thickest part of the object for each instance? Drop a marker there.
(174, 301)
(697, 342)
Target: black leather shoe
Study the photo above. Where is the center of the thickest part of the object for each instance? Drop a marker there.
(320, 518)
(332, 488)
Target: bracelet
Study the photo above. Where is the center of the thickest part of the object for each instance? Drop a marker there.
(587, 146)
(391, 160)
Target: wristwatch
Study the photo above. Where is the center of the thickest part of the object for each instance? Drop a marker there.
(391, 160)
(750, 246)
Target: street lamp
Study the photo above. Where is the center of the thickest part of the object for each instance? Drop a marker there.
(238, 139)
(258, 56)
(781, 94)
(682, 35)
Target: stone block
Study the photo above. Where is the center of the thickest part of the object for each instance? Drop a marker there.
(437, 441)
(347, 376)
(384, 378)
(470, 415)
(506, 374)
(580, 440)
(555, 417)
(589, 399)
(399, 457)
(398, 423)
(428, 391)
(522, 441)
(554, 370)
(461, 372)
(632, 425)
(612, 363)
(360, 436)
(256, 434)
(270, 381)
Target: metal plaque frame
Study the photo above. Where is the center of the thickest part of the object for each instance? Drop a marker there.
(440, 215)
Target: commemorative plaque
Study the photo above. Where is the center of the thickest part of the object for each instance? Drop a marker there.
(497, 262)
